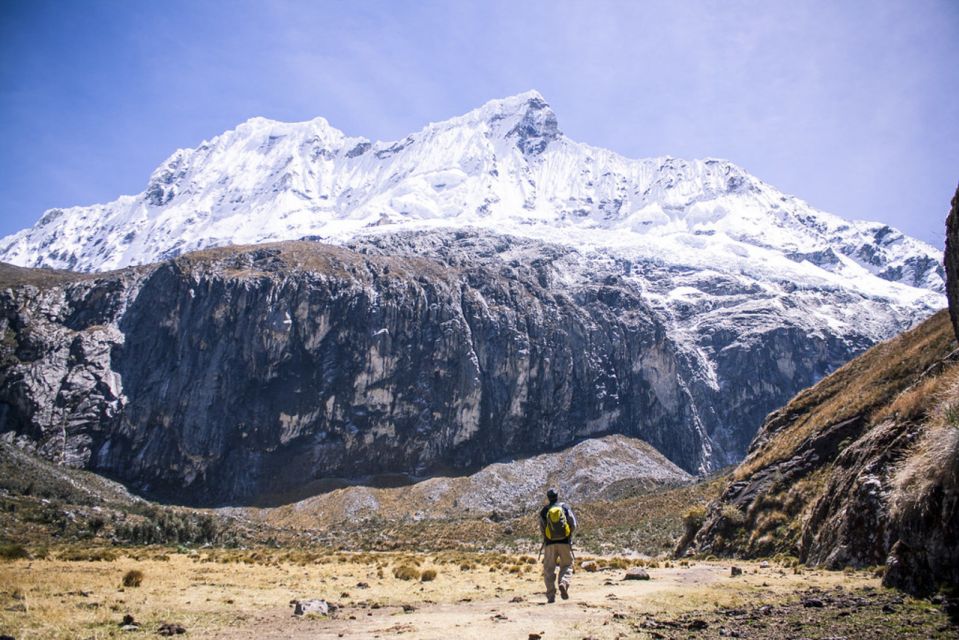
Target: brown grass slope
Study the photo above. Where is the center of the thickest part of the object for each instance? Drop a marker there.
(860, 469)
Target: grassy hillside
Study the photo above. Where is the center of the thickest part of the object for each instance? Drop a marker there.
(45, 504)
(889, 380)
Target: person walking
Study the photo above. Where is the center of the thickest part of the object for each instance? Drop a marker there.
(557, 524)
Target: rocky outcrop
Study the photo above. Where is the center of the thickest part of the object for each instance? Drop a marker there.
(952, 261)
(246, 375)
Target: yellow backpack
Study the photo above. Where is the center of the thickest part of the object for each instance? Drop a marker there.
(557, 528)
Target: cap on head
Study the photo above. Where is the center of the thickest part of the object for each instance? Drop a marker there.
(552, 495)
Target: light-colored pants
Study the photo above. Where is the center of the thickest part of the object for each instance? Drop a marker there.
(553, 555)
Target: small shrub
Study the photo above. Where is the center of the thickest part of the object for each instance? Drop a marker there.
(406, 572)
(694, 518)
(733, 516)
(428, 575)
(14, 552)
(96, 524)
(133, 578)
(772, 520)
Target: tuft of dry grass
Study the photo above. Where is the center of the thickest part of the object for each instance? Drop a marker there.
(133, 578)
(733, 516)
(932, 463)
(406, 572)
(428, 575)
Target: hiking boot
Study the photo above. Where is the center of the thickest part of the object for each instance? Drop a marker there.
(550, 599)
(564, 592)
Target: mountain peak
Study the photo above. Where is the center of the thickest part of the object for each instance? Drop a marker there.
(518, 102)
(509, 108)
(525, 118)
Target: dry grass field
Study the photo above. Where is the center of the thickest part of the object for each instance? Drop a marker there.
(220, 593)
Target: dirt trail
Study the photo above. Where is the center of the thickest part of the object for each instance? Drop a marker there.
(601, 606)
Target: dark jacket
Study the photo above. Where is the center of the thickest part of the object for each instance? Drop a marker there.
(570, 518)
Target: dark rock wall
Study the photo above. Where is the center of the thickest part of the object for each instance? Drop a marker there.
(925, 553)
(239, 378)
(952, 261)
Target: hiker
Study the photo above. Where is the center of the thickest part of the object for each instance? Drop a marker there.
(557, 525)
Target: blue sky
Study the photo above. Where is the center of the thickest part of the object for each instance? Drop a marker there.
(852, 106)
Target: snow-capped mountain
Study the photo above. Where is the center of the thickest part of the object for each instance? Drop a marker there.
(505, 166)
(497, 288)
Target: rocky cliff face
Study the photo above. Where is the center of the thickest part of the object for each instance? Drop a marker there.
(952, 261)
(236, 375)
(240, 375)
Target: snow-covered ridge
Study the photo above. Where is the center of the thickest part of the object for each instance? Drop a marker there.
(505, 166)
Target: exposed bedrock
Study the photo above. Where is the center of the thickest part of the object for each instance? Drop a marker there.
(952, 261)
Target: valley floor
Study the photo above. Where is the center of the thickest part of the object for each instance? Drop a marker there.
(249, 594)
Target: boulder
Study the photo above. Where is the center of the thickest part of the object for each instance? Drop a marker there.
(636, 573)
(316, 607)
(170, 629)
